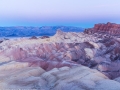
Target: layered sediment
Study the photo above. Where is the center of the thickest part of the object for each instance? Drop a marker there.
(67, 60)
(108, 28)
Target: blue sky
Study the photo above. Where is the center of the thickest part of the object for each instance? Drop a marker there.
(81, 13)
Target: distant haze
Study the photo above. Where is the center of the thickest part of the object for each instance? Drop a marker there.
(81, 13)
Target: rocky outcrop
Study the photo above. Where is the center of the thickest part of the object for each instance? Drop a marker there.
(109, 28)
(56, 63)
(43, 37)
(66, 49)
(33, 37)
(73, 37)
(19, 75)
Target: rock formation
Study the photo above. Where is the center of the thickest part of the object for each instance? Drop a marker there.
(109, 29)
(65, 61)
(43, 37)
(19, 75)
(33, 37)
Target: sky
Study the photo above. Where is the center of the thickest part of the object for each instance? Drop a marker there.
(80, 13)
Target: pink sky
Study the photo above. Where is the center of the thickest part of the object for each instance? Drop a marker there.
(58, 12)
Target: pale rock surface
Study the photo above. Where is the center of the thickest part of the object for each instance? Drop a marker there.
(117, 79)
(107, 85)
(80, 48)
(74, 78)
(55, 63)
(89, 53)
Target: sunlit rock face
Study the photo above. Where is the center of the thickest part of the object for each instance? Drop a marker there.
(67, 60)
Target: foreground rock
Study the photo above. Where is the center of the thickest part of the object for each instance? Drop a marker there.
(19, 75)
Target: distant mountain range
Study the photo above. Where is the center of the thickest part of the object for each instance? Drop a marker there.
(22, 31)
